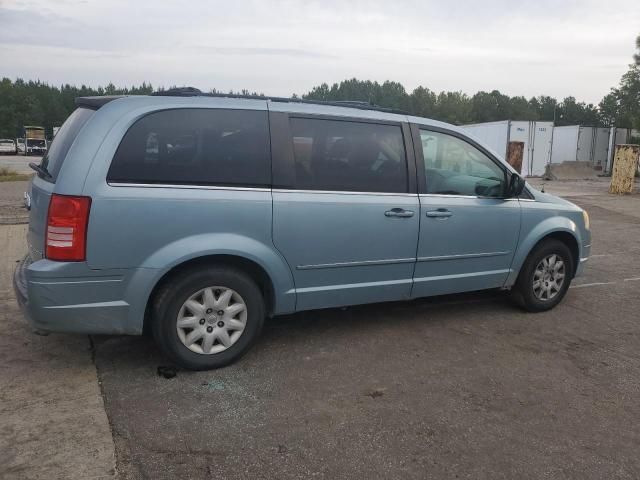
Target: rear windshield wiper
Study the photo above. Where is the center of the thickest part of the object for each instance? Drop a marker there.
(42, 171)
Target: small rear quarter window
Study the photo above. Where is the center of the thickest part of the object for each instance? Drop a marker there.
(63, 140)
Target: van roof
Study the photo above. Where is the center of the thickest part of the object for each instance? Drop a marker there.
(96, 102)
(173, 99)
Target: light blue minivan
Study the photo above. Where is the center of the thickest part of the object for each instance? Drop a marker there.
(195, 216)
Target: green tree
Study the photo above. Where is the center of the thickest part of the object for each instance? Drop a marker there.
(520, 109)
(572, 112)
(454, 107)
(621, 106)
(608, 108)
(423, 102)
(629, 98)
(485, 107)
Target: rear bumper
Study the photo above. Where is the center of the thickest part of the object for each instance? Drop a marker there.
(70, 297)
(20, 289)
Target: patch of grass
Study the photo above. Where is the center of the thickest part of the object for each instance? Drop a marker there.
(8, 175)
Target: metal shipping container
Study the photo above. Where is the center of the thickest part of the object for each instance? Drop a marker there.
(536, 136)
(601, 148)
(565, 144)
(494, 135)
(586, 144)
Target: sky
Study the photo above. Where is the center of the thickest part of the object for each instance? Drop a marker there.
(542, 47)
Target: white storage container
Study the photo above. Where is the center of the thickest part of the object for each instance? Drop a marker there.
(494, 135)
(565, 144)
(536, 136)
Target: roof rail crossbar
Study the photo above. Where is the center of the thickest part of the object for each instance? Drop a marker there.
(194, 92)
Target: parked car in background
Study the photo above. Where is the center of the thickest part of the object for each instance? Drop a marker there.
(20, 145)
(8, 146)
(196, 216)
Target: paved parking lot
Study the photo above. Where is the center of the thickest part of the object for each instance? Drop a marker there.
(464, 386)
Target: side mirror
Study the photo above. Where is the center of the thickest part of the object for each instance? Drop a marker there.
(516, 186)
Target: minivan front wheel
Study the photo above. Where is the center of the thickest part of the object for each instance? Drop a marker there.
(208, 317)
(545, 276)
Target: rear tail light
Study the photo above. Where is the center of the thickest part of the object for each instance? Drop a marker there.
(67, 228)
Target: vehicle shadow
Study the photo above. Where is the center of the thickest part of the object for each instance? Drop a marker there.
(303, 329)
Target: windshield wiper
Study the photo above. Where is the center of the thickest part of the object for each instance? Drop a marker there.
(42, 171)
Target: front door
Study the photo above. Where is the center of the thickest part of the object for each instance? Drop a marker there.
(468, 231)
(346, 220)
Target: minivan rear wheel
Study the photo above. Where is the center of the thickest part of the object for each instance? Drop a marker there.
(545, 276)
(208, 317)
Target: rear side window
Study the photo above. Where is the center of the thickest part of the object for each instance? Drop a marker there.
(63, 140)
(196, 146)
(348, 156)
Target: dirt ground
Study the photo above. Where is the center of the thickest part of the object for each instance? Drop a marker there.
(464, 386)
(12, 209)
(18, 163)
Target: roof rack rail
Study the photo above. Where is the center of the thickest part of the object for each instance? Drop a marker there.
(194, 92)
(179, 92)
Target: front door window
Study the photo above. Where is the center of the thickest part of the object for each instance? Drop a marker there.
(455, 167)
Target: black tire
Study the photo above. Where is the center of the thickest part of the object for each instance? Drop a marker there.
(522, 291)
(177, 290)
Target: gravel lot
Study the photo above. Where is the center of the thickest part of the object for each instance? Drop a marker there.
(12, 209)
(18, 163)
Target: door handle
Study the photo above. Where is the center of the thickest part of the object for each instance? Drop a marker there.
(398, 212)
(439, 213)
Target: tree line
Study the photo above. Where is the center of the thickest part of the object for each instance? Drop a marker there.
(37, 103)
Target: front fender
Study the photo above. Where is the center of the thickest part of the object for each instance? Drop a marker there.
(529, 239)
(173, 254)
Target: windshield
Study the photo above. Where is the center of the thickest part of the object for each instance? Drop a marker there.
(35, 143)
(63, 140)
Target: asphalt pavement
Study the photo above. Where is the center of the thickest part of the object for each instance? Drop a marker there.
(464, 386)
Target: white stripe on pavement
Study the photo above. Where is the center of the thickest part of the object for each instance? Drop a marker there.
(596, 284)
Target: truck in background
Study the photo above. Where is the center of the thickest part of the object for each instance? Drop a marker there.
(35, 142)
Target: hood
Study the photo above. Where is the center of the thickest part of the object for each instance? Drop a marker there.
(548, 198)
